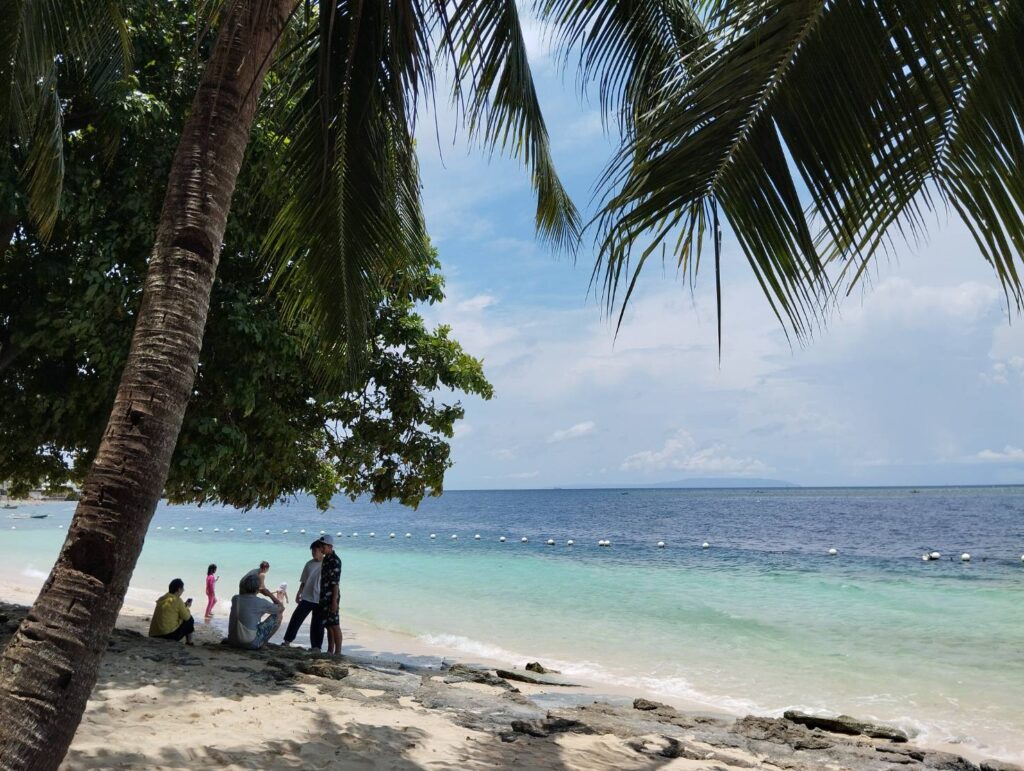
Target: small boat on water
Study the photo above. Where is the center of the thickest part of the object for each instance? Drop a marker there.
(9, 506)
(29, 516)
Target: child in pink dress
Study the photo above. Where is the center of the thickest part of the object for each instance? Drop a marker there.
(211, 591)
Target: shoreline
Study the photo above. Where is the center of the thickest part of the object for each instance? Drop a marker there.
(370, 647)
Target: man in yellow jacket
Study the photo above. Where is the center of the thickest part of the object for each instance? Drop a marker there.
(172, 619)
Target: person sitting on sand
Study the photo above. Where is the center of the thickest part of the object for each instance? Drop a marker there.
(330, 594)
(211, 590)
(172, 618)
(307, 598)
(247, 627)
(261, 573)
(282, 593)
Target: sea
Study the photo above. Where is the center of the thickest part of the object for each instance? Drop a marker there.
(743, 608)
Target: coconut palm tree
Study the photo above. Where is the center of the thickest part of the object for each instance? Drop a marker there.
(817, 129)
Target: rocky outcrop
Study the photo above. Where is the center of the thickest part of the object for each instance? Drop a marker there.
(521, 678)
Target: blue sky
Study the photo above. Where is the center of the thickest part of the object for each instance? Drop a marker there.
(918, 378)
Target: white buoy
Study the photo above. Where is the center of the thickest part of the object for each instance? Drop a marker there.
(199, 529)
(965, 557)
(373, 535)
(61, 527)
(604, 542)
(354, 535)
(935, 555)
(476, 537)
(408, 535)
(454, 537)
(570, 542)
(550, 542)
(391, 535)
(524, 539)
(337, 535)
(284, 532)
(324, 532)
(266, 532)
(661, 544)
(925, 558)
(248, 529)
(216, 529)
(832, 552)
(433, 535)
(158, 527)
(186, 529)
(14, 527)
(172, 527)
(705, 545)
(502, 540)
(231, 529)
(302, 532)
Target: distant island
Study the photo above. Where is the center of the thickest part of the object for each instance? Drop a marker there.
(695, 482)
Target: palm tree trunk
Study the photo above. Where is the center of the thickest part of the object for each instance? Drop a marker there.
(50, 666)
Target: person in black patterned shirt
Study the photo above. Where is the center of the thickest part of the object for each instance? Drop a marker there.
(330, 594)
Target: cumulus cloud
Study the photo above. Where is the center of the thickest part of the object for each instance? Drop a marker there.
(1008, 454)
(573, 432)
(681, 453)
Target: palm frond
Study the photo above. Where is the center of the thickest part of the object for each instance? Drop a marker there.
(629, 49)
(823, 129)
(37, 39)
(495, 84)
(350, 212)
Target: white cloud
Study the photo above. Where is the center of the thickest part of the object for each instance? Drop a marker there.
(573, 432)
(1008, 454)
(476, 303)
(524, 475)
(503, 453)
(463, 429)
(680, 453)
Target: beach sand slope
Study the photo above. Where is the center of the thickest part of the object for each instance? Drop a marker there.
(162, 705)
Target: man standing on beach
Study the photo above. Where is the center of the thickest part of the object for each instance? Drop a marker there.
(330, 594)
(261, 574)
(308, 601)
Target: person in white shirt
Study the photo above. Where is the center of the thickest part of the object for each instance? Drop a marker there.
(247, 627)
(308, 601)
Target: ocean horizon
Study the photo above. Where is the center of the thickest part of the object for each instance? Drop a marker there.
(761, 619)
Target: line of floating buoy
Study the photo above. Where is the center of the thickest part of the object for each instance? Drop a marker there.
(502, 540)
(570, 542)
(391, 535)
(373, 535)
(604, 542)
(408, 535)
(550, 542)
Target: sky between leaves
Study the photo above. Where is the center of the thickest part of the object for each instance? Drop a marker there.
(917, 379)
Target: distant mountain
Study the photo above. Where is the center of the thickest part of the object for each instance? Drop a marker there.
(699, 482)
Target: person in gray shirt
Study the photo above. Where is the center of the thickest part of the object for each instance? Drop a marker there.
(247, 627)
(308, 599)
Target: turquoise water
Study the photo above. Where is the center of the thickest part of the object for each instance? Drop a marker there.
(763, 620)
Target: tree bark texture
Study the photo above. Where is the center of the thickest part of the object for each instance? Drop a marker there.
(50, 666)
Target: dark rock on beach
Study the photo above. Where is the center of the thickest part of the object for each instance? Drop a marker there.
(540, 669)
(844, 724)
(646, 705)
(519, 677)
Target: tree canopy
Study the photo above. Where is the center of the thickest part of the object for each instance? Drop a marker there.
(273, 411)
